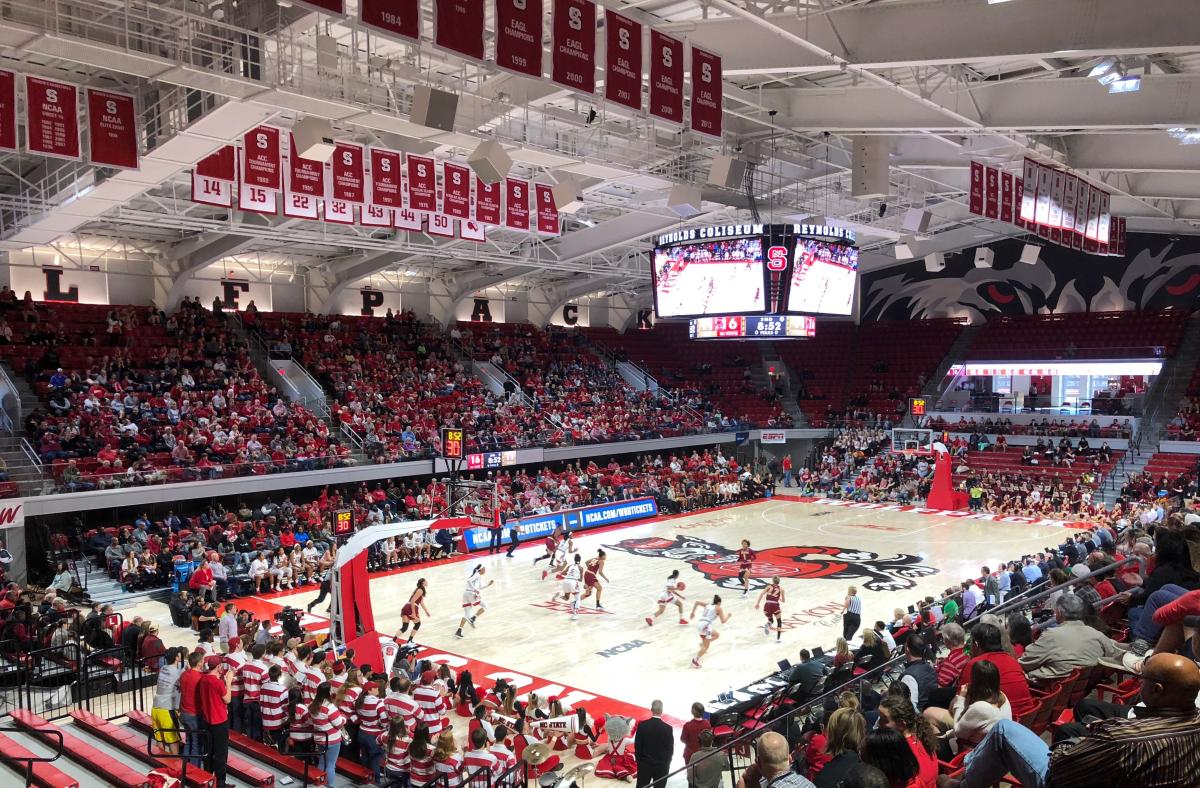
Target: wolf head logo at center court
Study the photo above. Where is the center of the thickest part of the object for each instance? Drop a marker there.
(720, 565)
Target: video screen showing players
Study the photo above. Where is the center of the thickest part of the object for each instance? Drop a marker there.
(823, 277)
(710, 278)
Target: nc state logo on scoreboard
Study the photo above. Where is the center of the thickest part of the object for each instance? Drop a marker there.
(776, 258)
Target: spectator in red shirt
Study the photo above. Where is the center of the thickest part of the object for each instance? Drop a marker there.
(202, 583)
(690, 735)
(213, 693)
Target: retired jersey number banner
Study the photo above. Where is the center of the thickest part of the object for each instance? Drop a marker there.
(547, 211)
(112, 129)
(516, 203)
(666, 77)
(51, 118)
(707, 108)
(623, 61)
(401, 18)
(349, 181)
(261, 158)
(487, 202)
(574, 54)
(456, 190)
(519, 36)
(386, 180)
(458, 26)
(422, 184)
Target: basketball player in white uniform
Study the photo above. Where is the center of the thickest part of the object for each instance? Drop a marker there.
(562, 553)
(572, 585)
(472, 598)
(670, 595)
(712, 613)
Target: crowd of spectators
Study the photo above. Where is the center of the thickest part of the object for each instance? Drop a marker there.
(1047, 428)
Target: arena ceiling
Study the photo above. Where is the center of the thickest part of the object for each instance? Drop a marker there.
(946, 81)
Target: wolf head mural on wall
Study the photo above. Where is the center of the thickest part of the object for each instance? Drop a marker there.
(1160, 271)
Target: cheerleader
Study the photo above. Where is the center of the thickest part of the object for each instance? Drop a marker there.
(592, 571)
(712, 613)
(411, 612)
(521, 740)
(585, 737)
(559, 740)
(473, 599)
(745, 557)
(773, 608)
(618, 762)
(669, 596)
(570, 586)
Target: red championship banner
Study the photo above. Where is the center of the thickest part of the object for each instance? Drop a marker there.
(991, 192)
(8, 110)
(666, 77)
(305, 176)
(456, 190)
(399, 18)
(1018, 194)
(519, 36)
(261, 158)
(1119, 229)
(622, 60)
(1029, 192)
(346, 167)
(1006, 197)
(516, 203)
(422, 184)
(51, 118)
(472, 231)
(328, 6)
(386, 180)
(441, 225)
(220, 165)
(487, 203)
(214, 176)
(708, 110)
(339, 211)
(408, 219)
(458, 27)
(375, 216)
(975, 202)
(112, 129)
(573, 58)
(547, 211)
(1057, 186)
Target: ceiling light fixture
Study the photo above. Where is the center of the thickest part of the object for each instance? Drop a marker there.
(1185, 136)
(1103, 67)
(1126, 85)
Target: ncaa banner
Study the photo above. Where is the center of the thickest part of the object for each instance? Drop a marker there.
(708, 112)
(408, 219)
(580, 519)
(975, 202)
(51, 118)
(8, 110)
(1103, 225)
(573, 62)
(346, 167)
(991, 192)
(456, 190)
(1029, 192)
(622, 60)
(422, 184)
(393, 18)
(516, 203)
(112, 129)
(305, 176)
(1070, 197)
(547, 211)
(1018, 193)
(666, 77)
(1082, 205)
(386, 182)
(261, 159)
(1006, 197)
(519, 37)
(458, 27)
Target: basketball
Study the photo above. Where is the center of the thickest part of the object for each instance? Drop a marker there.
(680, 586)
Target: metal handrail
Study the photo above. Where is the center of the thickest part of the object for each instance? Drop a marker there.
(30, 760)
(8, 417)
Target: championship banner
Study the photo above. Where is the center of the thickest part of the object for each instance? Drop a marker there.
(386, 181)
(472, 231)
(8, 110)
(666, 77)
(975, 202)
(213, 178)
(1119, 231)
(1082, 206)
(1070, 197)
(1029, 192)
(1091, 235)
(573, 53)
(1103, 226)
(991, 192)
(458, 27)
(441, 225)
(261, 158)
(547, 211)
(51, 118)
(519, 37)
(328, 6)
(375, 215)
(300, 205)
(1057, 184)
(408, 219)
(1006, 197)
(456, 190)
(398, 18)
(1018, 195)
(487, 203)
(305, 176)
(112, 129)
(622, 60)
(339, 211)
(1045, 183)
(708, 112)
(516, 203)
(346, 167)
(422, 184)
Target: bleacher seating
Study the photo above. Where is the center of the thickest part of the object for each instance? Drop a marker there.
(1008, 461)
(1111, 335)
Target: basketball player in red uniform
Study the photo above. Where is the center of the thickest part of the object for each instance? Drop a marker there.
(773, 608)
(745, 558)
(592, 570)
(670, 595)
(551, 545)
(411, 612)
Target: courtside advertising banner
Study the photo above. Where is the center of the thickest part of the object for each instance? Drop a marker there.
(458, 27)
(547, 212)
(622, 61)
(8, 110)
(386, 181)
(112, 129)
(398, 18)
(666, 77)
(456, 190)
(574, 45)
(519, 36)
(707, 95)
(346, 167)
(261, 160)
(422, 184)
(487, 202)
(51, 118)
(516, 203)
(581, 519)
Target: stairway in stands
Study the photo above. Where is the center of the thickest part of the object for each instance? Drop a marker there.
(771, 358)
(957, 354)
(21, 467)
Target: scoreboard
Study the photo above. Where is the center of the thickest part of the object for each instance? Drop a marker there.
(752, 327)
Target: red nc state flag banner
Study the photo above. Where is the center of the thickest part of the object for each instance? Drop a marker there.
(422, 184)
(975, 201)
(519, 36)
(386, 181)
(487, 202)
(622, 60)
(51, 118)
(547, 211)
(991, 192)
(1103, 225)
(8, 110)
(408, 219)
(261, 158)
(1018, 195)
(573, 59)
(305, 176)
(458, 27)
(398, 18)
(707, 95)
(346, 167)
(516, 203)
(456, 190)
(1029, 192)
(1006, 197)
(666, 77)
(112, 129)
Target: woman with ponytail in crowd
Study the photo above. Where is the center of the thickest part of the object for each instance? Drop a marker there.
(560, 741)
(298, 724)
(420, 757)
(898, 714)
(345, 697)
(328, 722)
(447, 761)
(395, 744)
(368, 710)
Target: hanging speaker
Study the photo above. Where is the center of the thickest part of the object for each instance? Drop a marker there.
(869, 166)
(434, 108)
(1030, 254)
(567, 196)
(684, 200)
(490, 162)
(916, 220)
(726, 172)
(935, 262)
(904, 249)
(313, 139)
(983, 257)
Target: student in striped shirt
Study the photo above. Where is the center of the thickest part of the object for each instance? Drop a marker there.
(447, 761)
(420, 757)
(298, 724)
(479, 757)
(328, 722)
(344, 698)
(252, 675)
(310, 676)
(272, 703)
(368, 709)
(431, 703)
(399, 704)
(234, 660)
(394, 745)
(502, 750)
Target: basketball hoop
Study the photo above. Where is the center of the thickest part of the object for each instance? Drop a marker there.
(913, 442)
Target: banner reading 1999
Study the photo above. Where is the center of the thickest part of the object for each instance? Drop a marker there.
(541, 525)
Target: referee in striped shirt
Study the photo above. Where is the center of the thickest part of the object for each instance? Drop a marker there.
(851, 614)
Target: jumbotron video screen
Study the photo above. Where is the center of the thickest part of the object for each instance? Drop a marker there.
(823, 276)
(710, 278)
